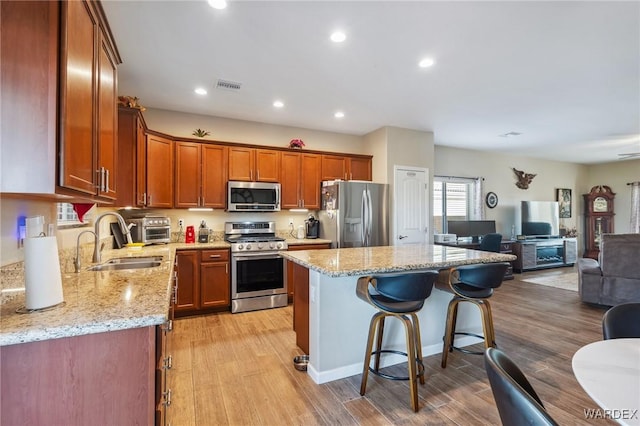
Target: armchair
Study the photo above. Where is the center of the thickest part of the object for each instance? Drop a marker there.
(615, 277)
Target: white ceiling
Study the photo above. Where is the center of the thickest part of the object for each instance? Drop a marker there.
(564, 74)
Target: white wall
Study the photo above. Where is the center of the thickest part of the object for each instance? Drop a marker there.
(181, 124)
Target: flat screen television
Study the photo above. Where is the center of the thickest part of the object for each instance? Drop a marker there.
(471, 228)
(540, 219)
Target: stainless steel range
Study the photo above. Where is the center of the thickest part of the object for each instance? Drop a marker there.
(258, 272)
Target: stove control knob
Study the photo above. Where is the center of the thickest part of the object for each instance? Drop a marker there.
(272, 245)
(279, 245)
(260, 245)
(240, 246)
(248, 246)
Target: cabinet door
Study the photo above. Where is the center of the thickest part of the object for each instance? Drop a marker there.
(334, 167)
(290, 180)
(359, 168)
(241, 163)
(214, 285)
(159, 172)
(214, 176)
(310, 181)
(267, 165)
(290, 277)
(77, 107)
(188, 174)
(188, 280)
(127, 143)
(107, 121)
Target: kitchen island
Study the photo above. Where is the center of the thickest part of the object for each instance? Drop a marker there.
(339, 321)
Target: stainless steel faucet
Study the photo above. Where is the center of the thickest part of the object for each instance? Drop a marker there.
(123, 227)
(76, 260)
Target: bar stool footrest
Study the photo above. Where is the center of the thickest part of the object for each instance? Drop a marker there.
(390, 377)
(467, 351)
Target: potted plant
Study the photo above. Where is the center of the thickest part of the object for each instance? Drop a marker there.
(296, 143)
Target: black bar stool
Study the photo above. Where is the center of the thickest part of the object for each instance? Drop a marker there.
(475, 284)
(399, 296)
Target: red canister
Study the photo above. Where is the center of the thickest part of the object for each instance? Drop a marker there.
(190, 236)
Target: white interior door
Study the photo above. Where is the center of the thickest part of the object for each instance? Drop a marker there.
(411, 205)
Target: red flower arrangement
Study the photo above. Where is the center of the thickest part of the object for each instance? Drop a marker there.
(296, 143)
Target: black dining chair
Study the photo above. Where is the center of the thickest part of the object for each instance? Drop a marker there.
(621, 321)
(517, 402)
(491, 242)
(398, 296)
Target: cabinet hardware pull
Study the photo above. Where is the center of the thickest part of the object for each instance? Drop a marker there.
(202, 202)
(106, 185)
(168, 362)
(214, 256)
(144, 199)
(226, 268)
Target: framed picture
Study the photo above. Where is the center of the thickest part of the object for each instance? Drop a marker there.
(563, 196)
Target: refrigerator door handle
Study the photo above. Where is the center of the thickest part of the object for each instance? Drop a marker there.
(370, 218)
(363, 218)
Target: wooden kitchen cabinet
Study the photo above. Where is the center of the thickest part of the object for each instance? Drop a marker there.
(188, 276)
(88, 84)
(130, 131)
(214, 279)
(300, 180)
(253, 164)
(101, 378)
(200, 177)
(159, 172)
(203, 281)
(346, 167)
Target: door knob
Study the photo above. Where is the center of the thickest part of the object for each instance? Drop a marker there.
(402, 237)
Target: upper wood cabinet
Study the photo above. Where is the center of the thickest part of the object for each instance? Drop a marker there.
(88, 120)
(29, 41)
(200, 177)
(346, 167)
(130, 133)
(254, 165)
(159, 178)
(300, 180)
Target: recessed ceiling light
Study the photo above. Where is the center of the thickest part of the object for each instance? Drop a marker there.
(278, 104)
(201, 91)
(338, 37)
(339, 114)
(426, 63)
(218, 4)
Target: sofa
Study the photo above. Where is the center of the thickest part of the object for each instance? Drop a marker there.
(615, 277)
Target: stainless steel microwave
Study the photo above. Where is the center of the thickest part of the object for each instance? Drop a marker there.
(253, 196)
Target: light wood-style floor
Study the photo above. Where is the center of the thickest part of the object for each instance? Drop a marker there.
(237, 369)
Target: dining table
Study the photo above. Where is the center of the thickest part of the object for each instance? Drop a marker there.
(609, 372)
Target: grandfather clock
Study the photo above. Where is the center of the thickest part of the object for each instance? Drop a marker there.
(598, 212)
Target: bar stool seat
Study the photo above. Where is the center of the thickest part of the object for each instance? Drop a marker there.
(474, 284)
(399, 296)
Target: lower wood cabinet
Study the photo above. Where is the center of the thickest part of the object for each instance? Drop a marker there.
(298, 288)
(203, 281)
(101, 378)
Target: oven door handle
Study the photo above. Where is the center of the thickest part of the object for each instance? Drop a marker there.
(257, 256)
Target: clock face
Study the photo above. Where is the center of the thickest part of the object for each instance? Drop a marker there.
(600, 204)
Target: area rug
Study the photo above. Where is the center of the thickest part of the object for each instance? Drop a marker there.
(565, 281)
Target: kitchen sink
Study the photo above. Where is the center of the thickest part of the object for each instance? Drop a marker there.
(128, 263)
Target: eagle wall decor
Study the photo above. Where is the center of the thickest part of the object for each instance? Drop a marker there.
(524, 179)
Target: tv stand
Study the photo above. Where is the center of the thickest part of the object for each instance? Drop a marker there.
(545, 253)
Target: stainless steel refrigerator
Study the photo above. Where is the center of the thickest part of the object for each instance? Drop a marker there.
(355, 214)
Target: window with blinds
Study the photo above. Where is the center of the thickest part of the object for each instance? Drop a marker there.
(451, 201)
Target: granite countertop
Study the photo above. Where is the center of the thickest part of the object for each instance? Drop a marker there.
(390, 259)
(305, 241)
(95, 301)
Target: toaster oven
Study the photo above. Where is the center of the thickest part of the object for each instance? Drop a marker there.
(150, 229)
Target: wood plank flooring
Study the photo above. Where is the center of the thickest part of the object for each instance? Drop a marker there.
(236, 369)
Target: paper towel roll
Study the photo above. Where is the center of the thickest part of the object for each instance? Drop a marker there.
(43, 281)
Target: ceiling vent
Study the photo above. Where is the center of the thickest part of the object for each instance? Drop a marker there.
(228, 85)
